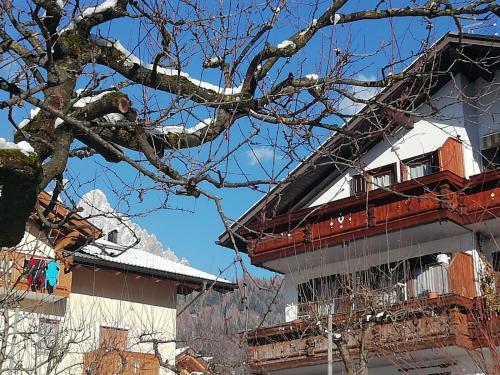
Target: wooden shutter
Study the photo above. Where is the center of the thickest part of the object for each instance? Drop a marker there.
(461, 275)
(358, 185)
(451, 157)
(113, 338)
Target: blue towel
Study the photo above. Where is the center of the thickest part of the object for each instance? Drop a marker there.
(51, 274)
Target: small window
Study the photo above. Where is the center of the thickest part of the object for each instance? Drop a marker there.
(420, 166)
(490, 152)
(358, 184)
(382, 177)
(48, 333)
(112, 338)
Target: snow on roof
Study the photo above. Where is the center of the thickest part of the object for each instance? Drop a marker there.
(180, 350)
(119, 255)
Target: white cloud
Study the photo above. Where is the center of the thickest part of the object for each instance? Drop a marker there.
(259, 154)
(347, 106)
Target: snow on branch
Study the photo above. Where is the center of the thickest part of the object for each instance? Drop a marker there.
(26, 121)
(22, 146)
(131, 60)
(195, 130)
(87, 12)
(85, 100)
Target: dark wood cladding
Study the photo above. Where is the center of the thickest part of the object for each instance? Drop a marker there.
(111, 362)
(442, 196)
(455, 320)
(451, 157)
(16, 278)
(461, 275)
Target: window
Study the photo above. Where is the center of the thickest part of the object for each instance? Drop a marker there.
(420, 166)
(382, 177)
(420, 169)
(48, 333)
(112, 338)
(491, 151)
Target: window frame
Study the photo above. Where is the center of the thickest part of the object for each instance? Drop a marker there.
(490, 143)
(432, 157)
(55, 323)
(391, 168)
(358, 181)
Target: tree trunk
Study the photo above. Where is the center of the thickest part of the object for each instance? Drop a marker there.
(20, 175)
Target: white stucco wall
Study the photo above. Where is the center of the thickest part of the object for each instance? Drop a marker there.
(143, 305)
(35, 245)
(467, 121)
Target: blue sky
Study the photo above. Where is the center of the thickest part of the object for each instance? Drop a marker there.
(191, 226)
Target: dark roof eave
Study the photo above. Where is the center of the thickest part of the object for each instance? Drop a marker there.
(218, 286)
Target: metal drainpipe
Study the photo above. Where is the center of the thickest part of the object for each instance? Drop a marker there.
(330, 344)
(14, 339)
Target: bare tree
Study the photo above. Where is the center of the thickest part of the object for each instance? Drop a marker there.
(92, 90)
(89, 94)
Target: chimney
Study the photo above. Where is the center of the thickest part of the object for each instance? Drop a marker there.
(113, 236)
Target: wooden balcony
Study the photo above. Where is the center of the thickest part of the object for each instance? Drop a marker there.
(439, 197)
(15, 278)
(103, 362)
(435, 323)
(429, 281)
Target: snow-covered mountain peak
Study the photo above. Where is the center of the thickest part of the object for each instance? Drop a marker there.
(97, 209)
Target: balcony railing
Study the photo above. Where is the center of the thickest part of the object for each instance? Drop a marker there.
(416, 324)
(33, 277)
(426, 282)
(376, 299)
(113, 362)
(442, 196)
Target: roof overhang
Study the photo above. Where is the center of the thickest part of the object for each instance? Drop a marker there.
(72, 232)
(186, 283)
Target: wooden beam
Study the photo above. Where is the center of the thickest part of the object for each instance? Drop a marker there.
(399, 118)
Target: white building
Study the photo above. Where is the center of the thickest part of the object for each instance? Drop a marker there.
(395, 231)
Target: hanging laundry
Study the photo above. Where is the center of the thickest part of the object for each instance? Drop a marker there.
(34, 269)
(51, 275)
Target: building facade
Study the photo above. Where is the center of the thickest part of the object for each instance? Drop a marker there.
(76, 303)
(392, 229)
